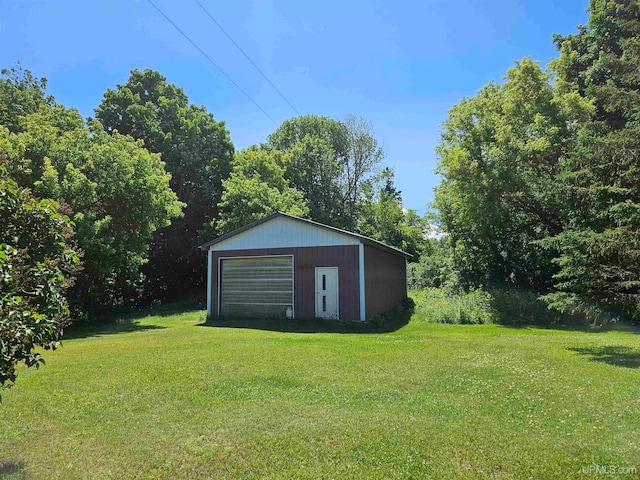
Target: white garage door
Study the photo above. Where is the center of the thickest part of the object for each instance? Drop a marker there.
(256, 286)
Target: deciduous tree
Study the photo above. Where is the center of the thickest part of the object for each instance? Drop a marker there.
(383, 218)
(118, 193)
(197, 152)
(499, 155)
(363, 157)
(257, 188)
(37, 265)
(315, 150)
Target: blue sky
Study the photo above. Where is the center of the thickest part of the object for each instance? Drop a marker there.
(401, 64)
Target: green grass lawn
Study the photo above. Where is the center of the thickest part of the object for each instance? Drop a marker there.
(164, 397)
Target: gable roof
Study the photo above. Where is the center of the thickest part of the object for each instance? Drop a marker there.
(360, 238)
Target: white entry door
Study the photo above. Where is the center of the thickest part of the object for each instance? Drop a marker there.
(327, 292)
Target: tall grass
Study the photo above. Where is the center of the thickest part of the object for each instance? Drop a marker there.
(438, 306)
(506, 306)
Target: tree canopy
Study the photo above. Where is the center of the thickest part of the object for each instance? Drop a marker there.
(599, 250)
(20, 94)
(117, 192)
(331, 163)
(540, 173)
(196, 151)
(257, 188)
(384, 219)
(315, 149)
(499, 153)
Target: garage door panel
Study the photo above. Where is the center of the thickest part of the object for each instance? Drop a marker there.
(257, 286)
(256, 311)
(258, 297)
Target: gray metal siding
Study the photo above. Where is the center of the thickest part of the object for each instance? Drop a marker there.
(385, 276)
(256, 286)
(305, 259)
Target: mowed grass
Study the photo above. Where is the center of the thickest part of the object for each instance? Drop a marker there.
(164, 397)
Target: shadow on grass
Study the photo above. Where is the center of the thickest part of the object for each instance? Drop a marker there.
(121, 325)
(12, 470)
(620, 356)
(575, 327)
(305, 325)
(123, 319)
(177, 307)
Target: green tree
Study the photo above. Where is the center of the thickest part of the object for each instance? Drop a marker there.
(37, 264)
(363, 157)
(434, 267)
(20, 94)
(599, 251)
(257, 188)
(315, 151)
(330, 162)
(311, 169)
(197, 152)
(383, 217)
(499, 155)
(117, 192)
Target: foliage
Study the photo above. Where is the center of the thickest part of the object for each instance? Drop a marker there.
(331, 163)
(398, 315)
(37, 264)
(434, 267)
(439, 306)
(20, 94)
(255, 189)
(540, 179)
(335, 166)
(499, 154)
(599, 251)
(506, 305)
(362, 158)
(315, 150)
(118, 193)
(383, 218)
(197, 152)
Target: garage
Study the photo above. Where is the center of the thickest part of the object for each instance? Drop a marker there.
(289, 267)
(257, 286)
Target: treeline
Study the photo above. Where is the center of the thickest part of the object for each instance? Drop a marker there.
(152, 176)
(541, 175)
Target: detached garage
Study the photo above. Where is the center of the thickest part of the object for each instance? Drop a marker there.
(285, 266)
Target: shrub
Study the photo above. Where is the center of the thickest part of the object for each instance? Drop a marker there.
(436, 305)
(37, 264)
(398, 315)
(517, 306)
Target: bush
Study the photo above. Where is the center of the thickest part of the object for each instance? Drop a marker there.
(37, 263)
(518, 306)
(398, 315)
(436, 305)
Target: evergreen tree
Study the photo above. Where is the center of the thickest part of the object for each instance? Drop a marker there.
(599, 251)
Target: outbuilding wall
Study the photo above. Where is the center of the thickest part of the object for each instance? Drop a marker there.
(385, 277)
(305, 259)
